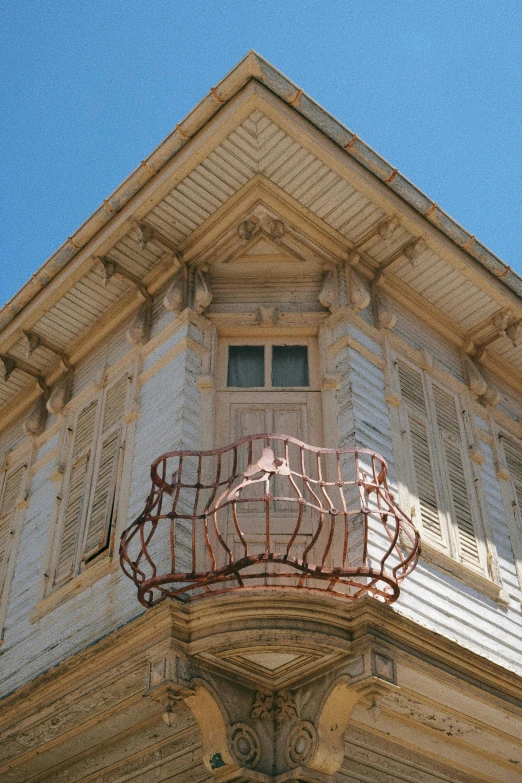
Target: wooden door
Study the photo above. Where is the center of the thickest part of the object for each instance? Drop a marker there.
(295, 412)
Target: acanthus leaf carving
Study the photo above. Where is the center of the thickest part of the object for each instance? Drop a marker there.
(279, 706)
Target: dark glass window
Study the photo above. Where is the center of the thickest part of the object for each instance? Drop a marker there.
(246, 365)
(290, 365)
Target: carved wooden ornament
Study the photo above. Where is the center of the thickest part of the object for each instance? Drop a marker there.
(174, 299)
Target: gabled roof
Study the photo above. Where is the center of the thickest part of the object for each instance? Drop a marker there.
(253, 66)
(256, 132)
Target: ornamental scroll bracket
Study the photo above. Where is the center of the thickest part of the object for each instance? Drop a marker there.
(269, 736)
(190, 288)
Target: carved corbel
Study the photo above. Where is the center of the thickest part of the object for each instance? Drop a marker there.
(32, 343)
(145, 234)
(385, 316)
(414, 250)
(514, 332)
(9, 365)
(475, 380)
(61, 393)
(329, 294)
(202, 291)
(35, 422)
(174, 299)
(387, 230)
(138, 332)
(327, 753)
(359, 294)
(226, 750)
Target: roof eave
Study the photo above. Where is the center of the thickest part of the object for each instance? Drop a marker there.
(253, 66)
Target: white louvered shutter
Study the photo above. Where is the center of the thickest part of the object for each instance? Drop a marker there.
(77, 490)
(106, 471)
(453, 448)
(513, 455)
(9, 498)
(413, 397)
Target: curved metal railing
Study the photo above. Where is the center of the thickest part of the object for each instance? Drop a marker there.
(269, 511)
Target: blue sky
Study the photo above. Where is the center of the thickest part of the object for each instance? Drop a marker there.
(88, 89)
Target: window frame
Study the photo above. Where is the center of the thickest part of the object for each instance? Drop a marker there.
(268, 343)
(82, 564)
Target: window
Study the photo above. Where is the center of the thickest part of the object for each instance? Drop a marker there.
(441, 483)
(11, 493)
(91, 480)
(267, 366)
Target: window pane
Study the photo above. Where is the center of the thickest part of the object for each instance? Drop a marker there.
(290, 365)
(246, 365)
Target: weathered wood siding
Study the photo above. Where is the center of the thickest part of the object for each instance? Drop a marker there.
(168, 418)
(429, 595)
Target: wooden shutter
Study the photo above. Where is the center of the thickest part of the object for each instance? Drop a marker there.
(105, 474)
(412, 392)
(513, 455)
(77, 489)
(462, 516)
(10, 495)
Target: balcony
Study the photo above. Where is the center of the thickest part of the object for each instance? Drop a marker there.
(269, 512)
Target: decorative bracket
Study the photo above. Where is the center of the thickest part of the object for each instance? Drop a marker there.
(147, 233)
(329, 293)
(34, 341)
(189, 288)
(359, 294)
(139, 330)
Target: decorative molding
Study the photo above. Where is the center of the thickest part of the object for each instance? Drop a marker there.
(426, 714)
(245, 745)
(279, 706)
(301, 743)
(263, 705)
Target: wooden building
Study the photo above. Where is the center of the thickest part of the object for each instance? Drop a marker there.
(263, 271)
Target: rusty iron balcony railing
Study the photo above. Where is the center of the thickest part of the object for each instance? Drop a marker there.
(265, 512)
